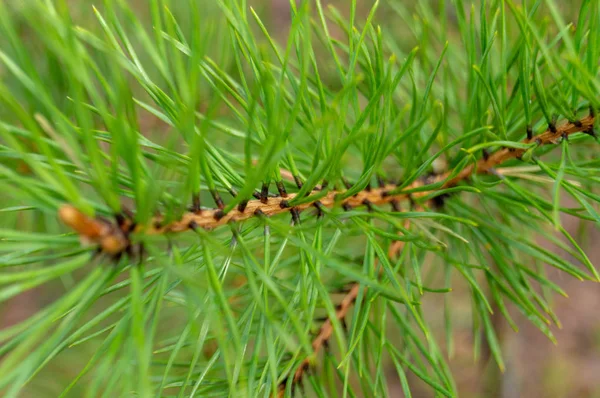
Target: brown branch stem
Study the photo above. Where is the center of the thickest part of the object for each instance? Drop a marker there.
(213, 218)
(326, 330)
(482, 166)
(113, 238)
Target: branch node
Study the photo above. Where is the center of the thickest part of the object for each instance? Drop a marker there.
(295, 215)
(264, 193)
(529, 132)
(281, 189)
(242, 206)
(217, 199)
(440, 200)
(592, 132)
(298, 182)
(344, 324)
(219, 214)
(552, 124)
(346, 183)
(120, 219)
(320, 208)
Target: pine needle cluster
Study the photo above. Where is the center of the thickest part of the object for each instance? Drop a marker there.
(213, 209)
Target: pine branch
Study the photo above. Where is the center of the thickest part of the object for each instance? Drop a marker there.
(150, 104)
(113, 238)
(488, 164)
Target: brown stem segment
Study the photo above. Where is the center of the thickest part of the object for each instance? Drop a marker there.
(213, 218)
(547, 137)
(209, 219)
(322, 338)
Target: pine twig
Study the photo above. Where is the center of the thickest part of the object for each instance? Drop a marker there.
(113, 239)
(487, 164)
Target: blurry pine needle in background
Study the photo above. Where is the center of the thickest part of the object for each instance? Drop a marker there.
(267, 199)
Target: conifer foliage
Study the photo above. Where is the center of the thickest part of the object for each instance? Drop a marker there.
(218, 210)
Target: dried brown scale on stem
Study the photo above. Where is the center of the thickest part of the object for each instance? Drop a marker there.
(270, 206)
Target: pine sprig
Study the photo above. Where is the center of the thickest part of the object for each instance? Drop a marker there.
(112, 238)
(356, 166)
